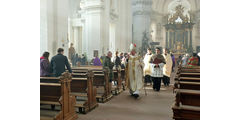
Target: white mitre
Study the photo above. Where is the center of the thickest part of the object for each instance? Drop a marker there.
(132, 47)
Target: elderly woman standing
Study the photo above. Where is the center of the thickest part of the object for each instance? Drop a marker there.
(44, 65)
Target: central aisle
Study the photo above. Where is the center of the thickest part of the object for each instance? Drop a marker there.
(154, 106)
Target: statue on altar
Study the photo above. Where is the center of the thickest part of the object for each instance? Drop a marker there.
(179, 47)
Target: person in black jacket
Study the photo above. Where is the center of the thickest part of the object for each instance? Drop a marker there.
(58, 63)
(117, 60)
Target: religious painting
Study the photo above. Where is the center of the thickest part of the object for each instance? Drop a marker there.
(95, 53)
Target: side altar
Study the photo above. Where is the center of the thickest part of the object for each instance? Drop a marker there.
(179, 32)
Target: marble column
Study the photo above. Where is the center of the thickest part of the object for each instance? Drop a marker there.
(93, 26)
(170, 40)
(141, 20)
(166, 44)
(75, 38)
(190, 43)
(186, 38)
(174, 38)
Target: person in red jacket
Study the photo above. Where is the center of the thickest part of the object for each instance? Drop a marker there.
(193, 61)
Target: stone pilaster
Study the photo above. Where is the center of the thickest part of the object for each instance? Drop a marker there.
(93, 17)
(141, 20)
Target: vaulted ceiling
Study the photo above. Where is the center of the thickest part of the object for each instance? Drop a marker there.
(161, 6)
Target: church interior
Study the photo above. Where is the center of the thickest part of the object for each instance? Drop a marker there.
(87, 31)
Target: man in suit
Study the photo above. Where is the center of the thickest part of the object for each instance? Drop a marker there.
(58, 63)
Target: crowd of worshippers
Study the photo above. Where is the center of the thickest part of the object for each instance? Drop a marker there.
(157, 67)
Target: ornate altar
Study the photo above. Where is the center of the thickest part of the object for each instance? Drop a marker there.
(179, 31)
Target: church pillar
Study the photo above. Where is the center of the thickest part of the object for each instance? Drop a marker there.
(141, 20)
(174, 39)
(75, 38)
(166, 45)
(190, 43)
(93, 27)
(55, 26)
(170, 40)
(186, 39)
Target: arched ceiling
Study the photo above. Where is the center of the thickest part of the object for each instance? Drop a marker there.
(161, 6)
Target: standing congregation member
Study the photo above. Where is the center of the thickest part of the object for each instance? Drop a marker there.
(167, 68)
(193, 61)
(59, 62)
(173, 61)
(134, 71)
(147, 69)
(108, 64)
(157, 62)
(97, 61)
(44, 65)
(185, 60)
(117, 61)
(102, 58)
(71, 53)
(84, 60)
(121, 56)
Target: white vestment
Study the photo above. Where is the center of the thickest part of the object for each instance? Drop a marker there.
(135, 73)
(157, 71)
(167, 69)
(147, 67)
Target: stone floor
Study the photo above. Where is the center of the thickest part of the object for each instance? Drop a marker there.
(154, 106)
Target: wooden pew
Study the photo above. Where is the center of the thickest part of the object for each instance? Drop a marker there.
(187, 85)
(117, 89)
(101, 81)
(82, 88)
(123, 77)
(188, 79)
(188, 71)
(187, 88)
(187, 105)
(58, 93)
(196, 75)
(188, 97)
(185, 112)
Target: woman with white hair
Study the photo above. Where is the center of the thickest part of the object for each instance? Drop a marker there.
(185, 59)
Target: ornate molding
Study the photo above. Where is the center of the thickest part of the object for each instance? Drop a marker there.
(140, 12)
(144, 2)
(93, 5)
(113, 16)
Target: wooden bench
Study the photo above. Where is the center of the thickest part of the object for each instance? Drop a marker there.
(187, 89)
(101, 81)
(117, 89)
(58, 93)
(187, 85)
(188, 79)
(185, 112)
(187, 105)
(123, 77)
(187, 97)
(84, 91)
(196, 75)
(188, 71)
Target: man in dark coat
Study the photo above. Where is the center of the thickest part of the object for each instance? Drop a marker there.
(108, 64)
(58, 63)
